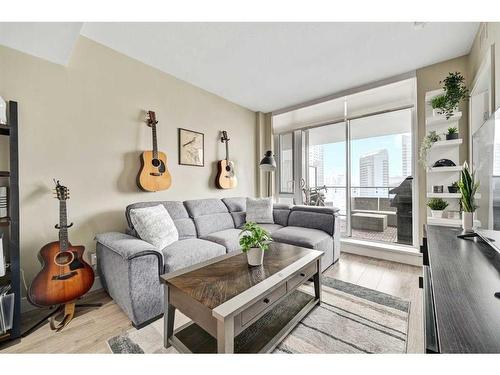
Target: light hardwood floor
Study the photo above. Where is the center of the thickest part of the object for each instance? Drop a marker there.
(88, 332)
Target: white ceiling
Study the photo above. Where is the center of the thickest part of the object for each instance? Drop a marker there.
(48, 40)
(261, 66)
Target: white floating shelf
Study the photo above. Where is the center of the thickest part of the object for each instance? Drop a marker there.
(448, 222)
(443, 195)
(449, 195)
(451, 142)
(441, 119)
(457, 168)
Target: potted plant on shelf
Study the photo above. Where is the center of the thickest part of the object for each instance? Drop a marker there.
(454, 92)
(426, 145)
(254, 240)
(437, 206)
(468, 187)
(452, 133)
(438, 104)
(453, 188)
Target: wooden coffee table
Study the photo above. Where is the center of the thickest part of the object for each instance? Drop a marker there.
(235, 308)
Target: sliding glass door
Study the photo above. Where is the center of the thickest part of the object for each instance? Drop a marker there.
(364, 167)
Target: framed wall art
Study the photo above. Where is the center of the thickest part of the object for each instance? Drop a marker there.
(191, 148)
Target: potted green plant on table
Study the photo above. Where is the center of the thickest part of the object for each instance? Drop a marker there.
(426, 145)
(254, 240)
(437, 206)
(468, 187)
(454, 92)
(438, 104)
(452, 133)
(453, 188)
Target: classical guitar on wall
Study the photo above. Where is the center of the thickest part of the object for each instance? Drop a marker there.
(153, 175)
(226, 177)
(65, 276)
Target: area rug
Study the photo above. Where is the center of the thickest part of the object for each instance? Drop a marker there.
(351, 319)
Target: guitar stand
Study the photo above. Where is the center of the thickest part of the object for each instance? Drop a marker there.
(69, 312)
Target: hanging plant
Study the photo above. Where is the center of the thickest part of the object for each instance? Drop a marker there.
(426, 145)
(454, 92)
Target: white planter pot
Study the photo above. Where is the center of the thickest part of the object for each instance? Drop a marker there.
(436, 213)
(437, 111)
(255, 256)
(467, 221)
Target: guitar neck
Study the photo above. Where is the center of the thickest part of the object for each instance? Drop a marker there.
(155, 143)
(63, 226)
(227, 150)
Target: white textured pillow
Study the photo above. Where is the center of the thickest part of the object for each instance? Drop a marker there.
(154, 225)
(260, 210)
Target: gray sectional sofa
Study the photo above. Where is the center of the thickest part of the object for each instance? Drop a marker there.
(129, 267)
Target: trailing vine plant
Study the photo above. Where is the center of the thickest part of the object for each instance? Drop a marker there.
(426, 145)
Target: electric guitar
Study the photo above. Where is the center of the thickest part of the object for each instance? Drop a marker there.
(226, 177)
(153, 175)
(65, 276)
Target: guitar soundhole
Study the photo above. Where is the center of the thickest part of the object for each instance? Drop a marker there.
(64, 258)
(228, 168)
(156, 163)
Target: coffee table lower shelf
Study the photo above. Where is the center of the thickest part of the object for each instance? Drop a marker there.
(260, 337)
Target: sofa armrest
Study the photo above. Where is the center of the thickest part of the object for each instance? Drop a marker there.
(129, 247)
(321, 218)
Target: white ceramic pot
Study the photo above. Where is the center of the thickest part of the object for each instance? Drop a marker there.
(255, 256)
(437, 111)
(467, 221)
(437, 213)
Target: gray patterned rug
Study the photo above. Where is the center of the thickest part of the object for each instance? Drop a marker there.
(351, 319)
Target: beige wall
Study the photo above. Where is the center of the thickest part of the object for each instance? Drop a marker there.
(428, 79)
(84, 125)
(488, 35)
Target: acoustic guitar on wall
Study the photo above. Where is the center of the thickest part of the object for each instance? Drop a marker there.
(153, 175)
(226, 177)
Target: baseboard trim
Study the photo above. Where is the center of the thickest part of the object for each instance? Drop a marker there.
(380, 251)
(26, 306)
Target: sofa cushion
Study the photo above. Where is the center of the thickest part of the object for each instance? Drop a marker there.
(313, 219)
(305, 237)
(229, 238)
(271, 228)
(236, 204)
(185, 225)
(154, 225)
(239, 218)
(260, 210)
(191, 251)
(209, 215)
(281, 212)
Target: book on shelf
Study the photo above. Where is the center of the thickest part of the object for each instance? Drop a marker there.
(3, 202)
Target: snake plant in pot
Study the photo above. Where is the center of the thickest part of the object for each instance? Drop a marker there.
(254, 240)
(468, 187)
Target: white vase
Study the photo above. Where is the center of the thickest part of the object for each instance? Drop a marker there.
(255, 256)
(437, 213)
(467, 221)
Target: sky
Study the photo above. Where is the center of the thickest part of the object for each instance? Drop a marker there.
(334, 155)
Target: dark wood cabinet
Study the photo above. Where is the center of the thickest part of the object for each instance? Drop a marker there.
(461, 313)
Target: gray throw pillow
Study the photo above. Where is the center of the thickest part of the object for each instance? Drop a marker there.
(260, 210)
(154, 225)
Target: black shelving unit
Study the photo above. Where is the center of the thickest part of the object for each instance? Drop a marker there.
(10, 225)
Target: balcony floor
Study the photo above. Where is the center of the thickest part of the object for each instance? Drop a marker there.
(388, 235)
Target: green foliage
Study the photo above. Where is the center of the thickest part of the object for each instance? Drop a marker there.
(438, 102)
(468, 187)
(455, 184)
(437, 204)
(426, 145)
(452, 130)
(253, 235)
(454, 91)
